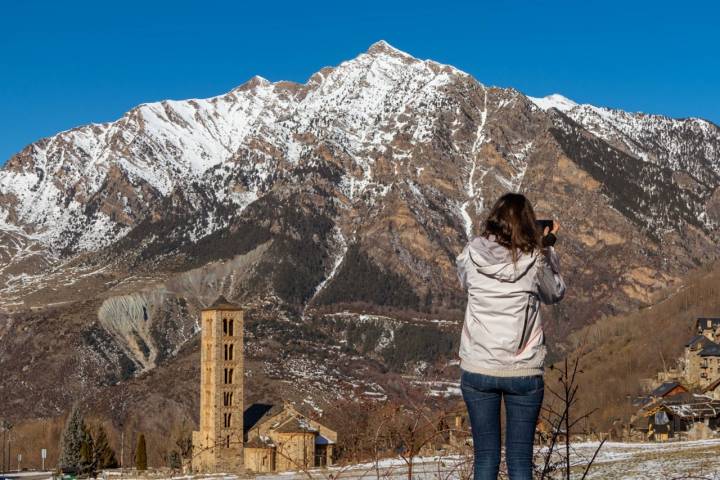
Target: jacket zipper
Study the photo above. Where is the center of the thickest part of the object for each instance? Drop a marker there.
(522, 335)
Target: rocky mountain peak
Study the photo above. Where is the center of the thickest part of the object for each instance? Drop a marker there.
(381, 47)
(255, 82)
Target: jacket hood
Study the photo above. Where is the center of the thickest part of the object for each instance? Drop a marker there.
(493, 260)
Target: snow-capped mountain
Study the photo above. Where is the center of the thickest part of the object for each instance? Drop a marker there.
(690, 148)
(87, 187)
(354, 190)
(84, 188)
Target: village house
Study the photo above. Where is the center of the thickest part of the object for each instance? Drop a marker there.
(678, 415)
(261, 438)
(702, 353)
(687, 405)
(709, 327)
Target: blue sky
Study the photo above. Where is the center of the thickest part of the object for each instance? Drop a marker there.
(64, 64)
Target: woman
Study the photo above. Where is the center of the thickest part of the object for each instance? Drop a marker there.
(508, 271)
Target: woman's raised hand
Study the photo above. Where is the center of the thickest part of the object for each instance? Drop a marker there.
(556, 227)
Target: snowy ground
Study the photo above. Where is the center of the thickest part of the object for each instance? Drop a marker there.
(616, 461)
(673, 460)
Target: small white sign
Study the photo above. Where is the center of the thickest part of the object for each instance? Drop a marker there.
(43, 453)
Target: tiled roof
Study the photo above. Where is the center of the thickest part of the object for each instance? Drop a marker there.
(712, 350)
(295, 425)
(699, 338)
(257, 442)
(257, 412)
(665, 388)
(685, 405)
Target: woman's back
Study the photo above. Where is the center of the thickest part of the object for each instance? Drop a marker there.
(503, 331)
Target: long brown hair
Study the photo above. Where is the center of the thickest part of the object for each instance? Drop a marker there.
(512, 222)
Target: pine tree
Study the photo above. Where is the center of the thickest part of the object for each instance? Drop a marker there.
(71, 441)
(103, 455)
(87, 463)
(141, 454)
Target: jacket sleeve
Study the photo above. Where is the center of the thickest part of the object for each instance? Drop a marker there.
(461, 263)
(550, 284)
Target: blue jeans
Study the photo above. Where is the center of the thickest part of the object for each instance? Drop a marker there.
(523, 399)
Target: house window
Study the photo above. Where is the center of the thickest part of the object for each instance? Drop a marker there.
(230, 327)
(227, 417)
(227, 399)
(228, 376)
(225, 326)
(227, 441)
(228, 351)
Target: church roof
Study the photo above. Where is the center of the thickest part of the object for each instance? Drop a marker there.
(221, 303)
(258, 412)
(285, 418)
(295, 425)
(257, 442)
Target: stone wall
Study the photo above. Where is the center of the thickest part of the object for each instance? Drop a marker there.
(260, 460)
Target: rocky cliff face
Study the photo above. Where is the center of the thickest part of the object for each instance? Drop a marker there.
(354, 190)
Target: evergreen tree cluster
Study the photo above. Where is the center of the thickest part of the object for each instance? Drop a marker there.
(360, 280)
(141, 454)
(103, 455)
(413, 343)
(72, 441)
(81, 453)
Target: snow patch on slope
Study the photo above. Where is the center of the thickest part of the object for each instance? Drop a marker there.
(470, 189)
(554, 101)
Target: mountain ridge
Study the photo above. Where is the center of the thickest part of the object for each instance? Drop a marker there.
(333, 211)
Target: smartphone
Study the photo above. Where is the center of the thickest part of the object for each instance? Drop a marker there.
(541, 224)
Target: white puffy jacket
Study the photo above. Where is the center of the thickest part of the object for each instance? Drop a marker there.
(502, 334)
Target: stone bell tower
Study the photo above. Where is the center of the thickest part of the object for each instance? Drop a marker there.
(218, 445)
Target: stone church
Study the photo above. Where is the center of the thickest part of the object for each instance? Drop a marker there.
(261, 438)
